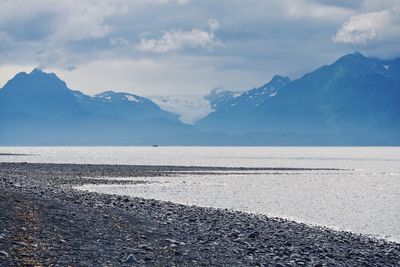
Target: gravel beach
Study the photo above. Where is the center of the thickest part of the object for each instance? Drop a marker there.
(45, 222)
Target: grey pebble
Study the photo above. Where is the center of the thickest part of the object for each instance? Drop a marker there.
(4, 254)
(131, 259)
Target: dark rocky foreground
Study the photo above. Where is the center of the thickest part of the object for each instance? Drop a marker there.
(43, 222)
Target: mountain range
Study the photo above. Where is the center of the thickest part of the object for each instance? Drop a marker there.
(39, 108)
(353, 101)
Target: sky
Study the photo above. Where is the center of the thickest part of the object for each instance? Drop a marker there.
(189, 47)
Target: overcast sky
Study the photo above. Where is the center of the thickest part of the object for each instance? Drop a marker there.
(170, 47)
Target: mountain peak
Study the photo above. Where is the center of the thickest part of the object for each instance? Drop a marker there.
(277, 82)
(36, 71)
(35, 83)
(354, 59)
(356, 56)
(280, 79)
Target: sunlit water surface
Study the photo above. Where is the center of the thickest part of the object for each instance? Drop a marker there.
(363, 197)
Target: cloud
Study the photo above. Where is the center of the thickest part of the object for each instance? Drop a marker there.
(178, 39)
(137, 40)
(313, 9)
(60, 21)
(44, 32)
(119, 42)
(180, 2)
(175, 75)
(213, 24)
(377, 25)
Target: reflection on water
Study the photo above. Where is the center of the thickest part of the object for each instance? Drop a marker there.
(376, 158)
(356, 201)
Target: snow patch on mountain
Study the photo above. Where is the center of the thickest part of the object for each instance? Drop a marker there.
(131, 98)
(190, 108)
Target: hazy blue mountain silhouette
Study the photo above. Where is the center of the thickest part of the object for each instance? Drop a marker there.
(39, 108)
(230, 109)
(355, 100)
(44, 94)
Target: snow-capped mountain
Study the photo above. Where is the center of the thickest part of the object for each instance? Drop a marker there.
(257, 96)
(218, 98)
(39, 108)
(44, 94)
(355, 100)
(230, 106)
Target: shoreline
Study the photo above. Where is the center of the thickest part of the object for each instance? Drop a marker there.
(47, 222)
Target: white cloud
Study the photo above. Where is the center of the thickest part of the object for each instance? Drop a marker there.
(313, 10)
(70, 20)
(180, 2)
(260, 38)
(177, 39)
(370, 26)
(119, 41)
(362, 28)
(213, 24)
(176, 75)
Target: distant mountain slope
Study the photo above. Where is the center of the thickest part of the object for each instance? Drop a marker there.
(44, 94)
(353, 101)
(219, 98)
(355, 98)
(39, 108)
(230, 108)
(37, 93)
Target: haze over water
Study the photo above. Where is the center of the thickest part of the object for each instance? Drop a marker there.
(362, 197)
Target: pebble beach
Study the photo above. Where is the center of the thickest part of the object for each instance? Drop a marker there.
(44, 221)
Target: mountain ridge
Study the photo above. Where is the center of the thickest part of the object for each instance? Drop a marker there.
(353, 101)
(351, 96)
(36, 87)
(39, 108)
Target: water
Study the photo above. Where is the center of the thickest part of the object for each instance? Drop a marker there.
(384, 159)
(364, 197)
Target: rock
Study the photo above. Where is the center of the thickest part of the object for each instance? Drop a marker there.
(148, 259)
(146, 247)
(253, 234)
(4, 254)
(174, 242)
(23, 244)
(131, 259)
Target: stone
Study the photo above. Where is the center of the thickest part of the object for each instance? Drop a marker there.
(131, 259)
(253, 235)
(4, 254)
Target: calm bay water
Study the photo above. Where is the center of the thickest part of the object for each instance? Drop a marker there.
(363, 197)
